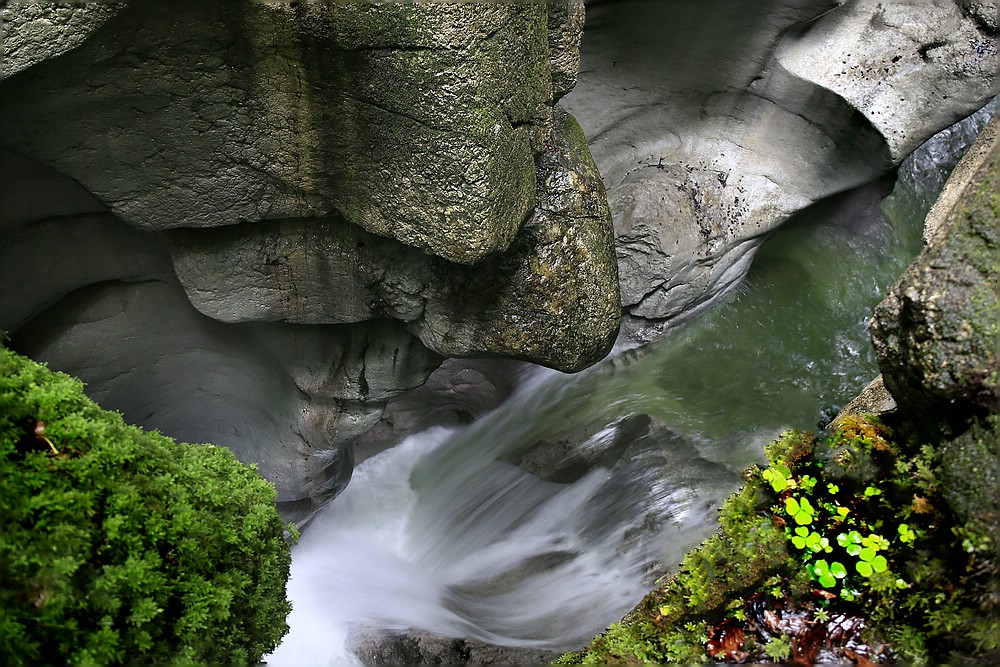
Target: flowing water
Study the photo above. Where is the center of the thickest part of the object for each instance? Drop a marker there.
(620, 468)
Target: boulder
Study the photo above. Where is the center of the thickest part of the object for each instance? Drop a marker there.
(416, 122)
(937, 332)
(544, 300)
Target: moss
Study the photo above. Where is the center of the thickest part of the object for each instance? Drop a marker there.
(118, 545)
(906, 586)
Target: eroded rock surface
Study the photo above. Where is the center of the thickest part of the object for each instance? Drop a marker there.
(345, 191)
(711, 133)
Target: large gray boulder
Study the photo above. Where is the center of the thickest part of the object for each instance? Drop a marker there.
(711, 129)
(545, 300)
(417, 124)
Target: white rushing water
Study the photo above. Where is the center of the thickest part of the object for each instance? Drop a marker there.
(438, 534)
(443, 533)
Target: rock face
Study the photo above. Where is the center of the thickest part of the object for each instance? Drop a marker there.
(937, 333)
(255, 223)
(544, 300)
(710, 133)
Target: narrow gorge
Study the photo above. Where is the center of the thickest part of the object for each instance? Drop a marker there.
(502, 297)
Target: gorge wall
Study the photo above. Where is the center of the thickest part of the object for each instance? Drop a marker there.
(253, 223)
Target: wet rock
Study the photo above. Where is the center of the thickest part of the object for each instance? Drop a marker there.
(936, 333)
(874, 399)
(421, 648)
(455, 394)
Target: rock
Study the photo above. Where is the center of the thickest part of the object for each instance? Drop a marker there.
(423, 648)
(757, 117)
(89, 248)
(39, 31)
(970, 477)
(416, 122)
(874, 399)
(936, 224)
(550, 299)
(566, 20)
(42, 193)
(143, 349)
(937, 332)
(456, 393)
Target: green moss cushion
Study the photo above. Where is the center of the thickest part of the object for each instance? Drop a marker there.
(121, 546)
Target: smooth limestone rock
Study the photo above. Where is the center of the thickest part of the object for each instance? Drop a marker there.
(284, 397)
(937, 332)
(711, 133)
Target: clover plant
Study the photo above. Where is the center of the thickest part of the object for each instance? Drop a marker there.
(836, 519)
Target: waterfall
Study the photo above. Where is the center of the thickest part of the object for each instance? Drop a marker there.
(461, 532)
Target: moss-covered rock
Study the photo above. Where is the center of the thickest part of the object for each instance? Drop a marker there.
(120, 546)
(937, 333)
(970, 480)
(843, 549)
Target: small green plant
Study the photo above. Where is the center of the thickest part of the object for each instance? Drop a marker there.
(837, 524)
(779, 648)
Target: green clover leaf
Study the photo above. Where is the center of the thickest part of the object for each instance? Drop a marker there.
(777, 476)
(851, 542)
(906, 534)
(870, 562)
(799, 540)
(818, 543)
(800, 510)
(875, 541)
(827, 574)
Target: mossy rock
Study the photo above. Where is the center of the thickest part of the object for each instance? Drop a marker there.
(970, 476)
(937, 333)
(914, 583)
(120, 546)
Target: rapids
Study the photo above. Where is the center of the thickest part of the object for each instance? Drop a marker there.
(444, 533)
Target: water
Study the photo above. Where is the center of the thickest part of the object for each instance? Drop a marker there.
(443, 533)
